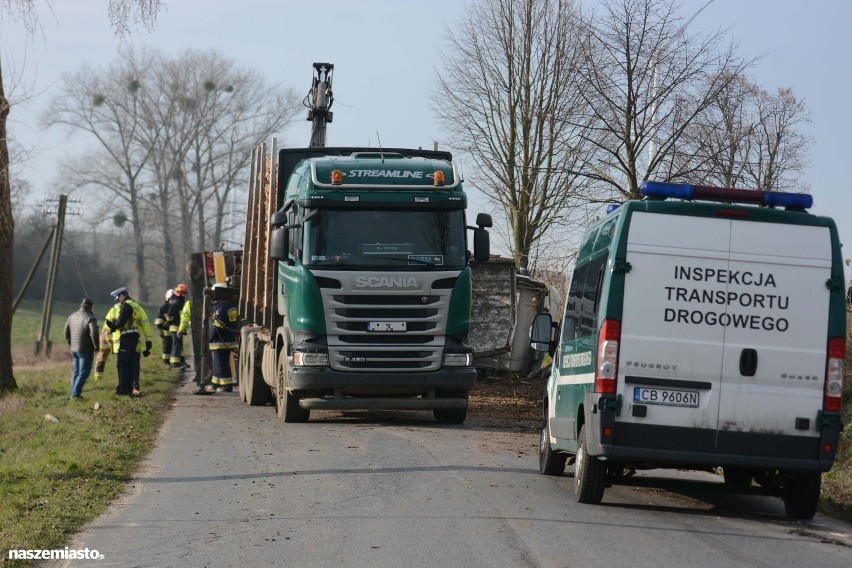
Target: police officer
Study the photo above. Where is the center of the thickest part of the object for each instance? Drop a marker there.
(224, 327)
(161, 323)
(126, 345)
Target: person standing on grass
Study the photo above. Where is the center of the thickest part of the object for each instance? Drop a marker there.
(132, 320)
(81, 334)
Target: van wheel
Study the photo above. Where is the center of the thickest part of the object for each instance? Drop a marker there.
(737, 478)
(589, 474)
(286, 403)
(801, 496)
(549, 462)
(451, 415)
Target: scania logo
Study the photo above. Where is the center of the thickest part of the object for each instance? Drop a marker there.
(386, 282)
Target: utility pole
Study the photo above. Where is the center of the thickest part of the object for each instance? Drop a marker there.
(43, 344)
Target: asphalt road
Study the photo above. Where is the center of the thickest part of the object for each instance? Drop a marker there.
(231, 485)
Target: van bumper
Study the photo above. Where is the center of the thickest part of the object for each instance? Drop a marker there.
(705, 447)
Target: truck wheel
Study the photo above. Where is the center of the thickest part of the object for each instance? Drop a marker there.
(286, 403)
(451, 415)
(245, 371)
(257, 391)
(549, 462)
(589, 474)
(801, 496)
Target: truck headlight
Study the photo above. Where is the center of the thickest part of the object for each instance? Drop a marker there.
(310, 359)
(458, 359)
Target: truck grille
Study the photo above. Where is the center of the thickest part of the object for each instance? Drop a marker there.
(349, 310)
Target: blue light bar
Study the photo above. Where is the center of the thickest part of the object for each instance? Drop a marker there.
(612, 207)
(782, 199)
(662, 190)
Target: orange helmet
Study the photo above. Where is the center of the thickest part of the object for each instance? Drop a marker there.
(181, 289)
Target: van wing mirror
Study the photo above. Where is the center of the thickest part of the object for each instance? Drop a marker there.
(540, 332)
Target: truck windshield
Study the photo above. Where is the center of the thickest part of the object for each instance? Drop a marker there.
(384, 239)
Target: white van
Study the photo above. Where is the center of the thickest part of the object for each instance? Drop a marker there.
(700, 335)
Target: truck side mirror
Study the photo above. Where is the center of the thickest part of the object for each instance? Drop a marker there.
(278, 219)
(483, 220)
(279, 244)
(481, 245)
(540, 331)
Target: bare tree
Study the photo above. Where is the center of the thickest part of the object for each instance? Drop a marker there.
(780, 152)
(747, 138)
(715, 147)
(174, 136)
(110, 107)
(645, 82)
(508, 96)
(25, 12)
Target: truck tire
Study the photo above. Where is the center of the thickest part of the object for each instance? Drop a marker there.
(451, 415)
(801, 496)
(286, 403)
(244, 371)
(589, 474)
(257, 391)
(549, 462)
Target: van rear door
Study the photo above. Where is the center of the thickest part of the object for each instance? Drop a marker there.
(775, 348)
(724, 331)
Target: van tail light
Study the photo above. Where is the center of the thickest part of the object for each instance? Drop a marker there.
(607, 368)
(834, 374)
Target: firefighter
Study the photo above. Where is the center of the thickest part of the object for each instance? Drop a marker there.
(178, 301)
(185, 320)
(106, 340)
(224, 327)
(163, 325)
(126, 345)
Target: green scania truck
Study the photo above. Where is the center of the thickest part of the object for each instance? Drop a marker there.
(355, 287)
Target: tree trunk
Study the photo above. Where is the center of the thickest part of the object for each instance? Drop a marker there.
(7, 233)
(139, 240)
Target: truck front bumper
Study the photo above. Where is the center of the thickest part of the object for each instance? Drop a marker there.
(382, 383)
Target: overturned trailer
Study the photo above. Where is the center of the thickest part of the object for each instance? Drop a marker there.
(503, 307)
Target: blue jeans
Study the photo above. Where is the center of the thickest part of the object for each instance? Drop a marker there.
(82, 366)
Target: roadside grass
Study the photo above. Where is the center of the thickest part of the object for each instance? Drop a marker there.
(58, 473)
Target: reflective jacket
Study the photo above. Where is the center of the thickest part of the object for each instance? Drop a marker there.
(173, 315)
(108, 337)
(183, 327)
(160, 322)
(224, 326)
(131, 319)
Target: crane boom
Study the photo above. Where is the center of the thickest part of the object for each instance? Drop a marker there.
(319, 101)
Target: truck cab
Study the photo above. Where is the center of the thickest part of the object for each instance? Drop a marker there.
(373, 284)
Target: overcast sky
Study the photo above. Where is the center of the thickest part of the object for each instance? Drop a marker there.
(387, 52)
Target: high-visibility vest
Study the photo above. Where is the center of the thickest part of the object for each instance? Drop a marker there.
(184, 318)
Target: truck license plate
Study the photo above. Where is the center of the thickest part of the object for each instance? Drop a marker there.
(644, 395)
(386, 326)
